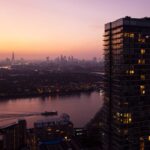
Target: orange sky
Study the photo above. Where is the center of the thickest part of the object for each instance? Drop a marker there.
(40, 28)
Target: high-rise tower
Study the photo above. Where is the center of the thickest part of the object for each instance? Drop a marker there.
(13, 57)
(126, 110)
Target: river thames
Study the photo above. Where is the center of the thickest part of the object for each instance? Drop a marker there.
(80, 107)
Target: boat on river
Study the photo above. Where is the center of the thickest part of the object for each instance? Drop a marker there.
(49, 113)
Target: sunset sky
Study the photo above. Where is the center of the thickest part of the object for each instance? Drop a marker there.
(39, 28)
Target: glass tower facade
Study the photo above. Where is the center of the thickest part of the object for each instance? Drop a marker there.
(126, 111)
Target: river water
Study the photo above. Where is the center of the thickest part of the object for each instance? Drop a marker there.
(81, 107)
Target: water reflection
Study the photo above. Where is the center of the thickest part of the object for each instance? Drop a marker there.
(81, 107)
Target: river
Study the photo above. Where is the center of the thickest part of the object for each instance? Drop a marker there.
(81, 107)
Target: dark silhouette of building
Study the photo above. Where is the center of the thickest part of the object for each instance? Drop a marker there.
(53, 131)
(13, 136)
(13, 58)
(126, 110)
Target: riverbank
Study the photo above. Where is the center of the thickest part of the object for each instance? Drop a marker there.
(48, 84)
(55, 94)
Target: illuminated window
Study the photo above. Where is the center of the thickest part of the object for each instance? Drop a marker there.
(131, 72)
(149, 138)
(129, 35)
(49, 129)
(147, 36)
(125, 118)
(142, 145)
(127, 71)
(142, 77)
(141, 61)
(126, 34)
(130, 120)
(141, 139)
(143, 92)
(125, 103)
(142, 89)
(141, 40)
(142, 51)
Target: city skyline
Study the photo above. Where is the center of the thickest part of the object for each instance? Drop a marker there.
(35, 29)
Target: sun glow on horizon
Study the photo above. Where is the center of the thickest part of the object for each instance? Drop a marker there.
(49, 28)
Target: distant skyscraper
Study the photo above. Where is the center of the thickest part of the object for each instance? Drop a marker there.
(13, 57)
(126, 110)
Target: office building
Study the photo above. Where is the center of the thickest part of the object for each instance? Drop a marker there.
(126, 110)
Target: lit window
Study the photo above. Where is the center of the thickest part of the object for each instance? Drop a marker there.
(142, 51)
(142, 145)
(141, 139)
(131, 72)
(142, 89)
(49, 129)
(141, 40)
(130, 120)
(126, 34)
(131, 35)
(125, 118)
(65, 137)
(149, 137)
(141, 61)
(143, 92)
(142, 77)
(147, 36)
(125, 103)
